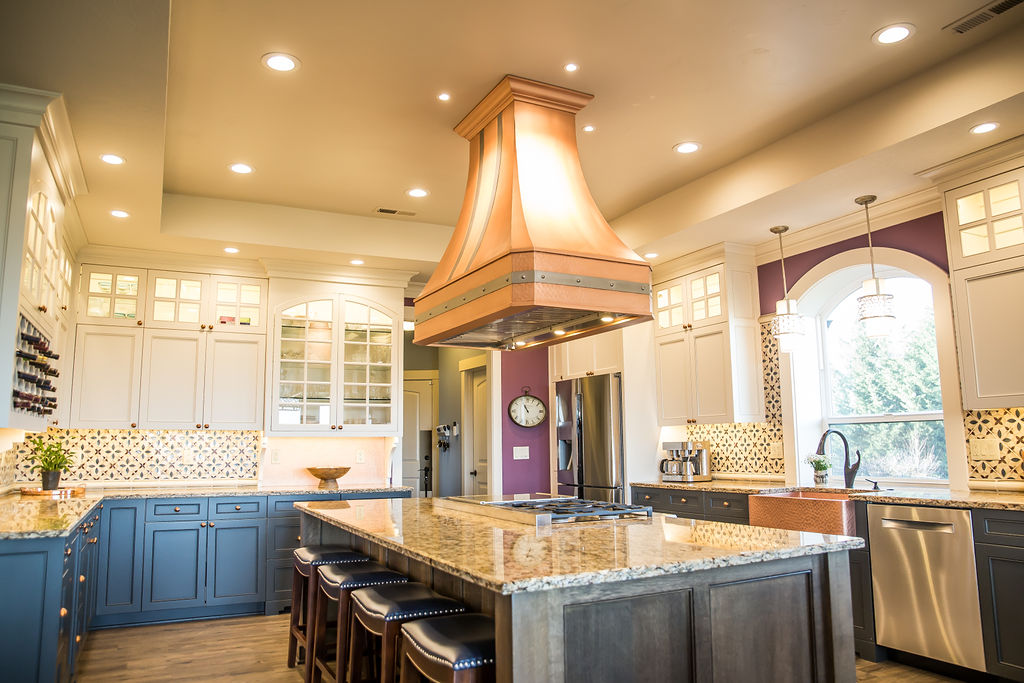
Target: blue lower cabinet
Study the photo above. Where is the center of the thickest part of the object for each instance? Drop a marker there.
(174, 565)
(283, 536)
(235, 570)
(119, 566)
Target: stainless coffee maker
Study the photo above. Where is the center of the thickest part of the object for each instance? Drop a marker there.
(687, 461)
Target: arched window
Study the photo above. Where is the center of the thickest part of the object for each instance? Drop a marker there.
(884, 394)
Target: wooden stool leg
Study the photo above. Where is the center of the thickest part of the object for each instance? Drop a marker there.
(318, 631)
(298, 585)
(341, 658)
(389, 651)
(356, 639)
(406, 671)
(312, 600)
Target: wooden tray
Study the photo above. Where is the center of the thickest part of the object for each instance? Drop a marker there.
(62, 492)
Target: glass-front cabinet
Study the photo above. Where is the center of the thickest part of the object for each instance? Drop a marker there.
(986, 219)
(112, 296)
(689, 301)
(334, 367)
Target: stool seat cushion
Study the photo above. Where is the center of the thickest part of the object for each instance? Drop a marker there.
(318, 555)
(461, 641)
(403, 601)
(335, 578)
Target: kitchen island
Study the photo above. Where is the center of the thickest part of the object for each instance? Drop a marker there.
(654, 598)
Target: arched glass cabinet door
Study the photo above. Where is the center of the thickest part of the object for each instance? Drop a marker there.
(368, 367)
(305, 366)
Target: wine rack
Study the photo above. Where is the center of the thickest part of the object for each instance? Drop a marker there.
(34, 390)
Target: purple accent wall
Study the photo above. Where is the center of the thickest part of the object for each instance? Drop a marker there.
(924, 236)
(528, 367)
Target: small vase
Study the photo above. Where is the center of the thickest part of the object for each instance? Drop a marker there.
(821, 477)
(51, 480)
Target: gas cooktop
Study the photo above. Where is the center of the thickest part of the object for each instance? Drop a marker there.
(542, 511)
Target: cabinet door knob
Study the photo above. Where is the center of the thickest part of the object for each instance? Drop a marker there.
(67, 551)
(725, 504)
(202, 524)
(63, 611)
(93, 540)
(134, 425)
(78, 638)
(212, 525)
(238, 507)
(81, 578)
(198, 425)
(206, 426)
(63, 308)
(334, 426)
(138, 322)
(298, 538)
(42, 309)
(647, 497)
(682, 500)
(177, 509)
(96, 517)
(101, 506)
(203, 326)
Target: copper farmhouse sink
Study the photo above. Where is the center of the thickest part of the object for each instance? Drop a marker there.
(824, 513)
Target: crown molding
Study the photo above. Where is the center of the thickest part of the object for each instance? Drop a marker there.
(326, 272)
(164, 260)
(702, 258)
(883, 215)
(61, 152)
(413, 289)
(976, 165)
(24, 106)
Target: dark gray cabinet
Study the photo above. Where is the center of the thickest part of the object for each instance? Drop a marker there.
(716, 506)
(999, 552)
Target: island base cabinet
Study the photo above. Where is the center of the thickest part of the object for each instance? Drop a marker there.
(1000, 582)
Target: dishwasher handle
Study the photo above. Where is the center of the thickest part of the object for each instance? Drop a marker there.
(917, 525)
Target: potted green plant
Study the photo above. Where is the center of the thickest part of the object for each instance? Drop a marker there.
(821, 464)
(50, 458)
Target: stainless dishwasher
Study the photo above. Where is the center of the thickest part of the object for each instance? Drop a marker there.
(925, 584)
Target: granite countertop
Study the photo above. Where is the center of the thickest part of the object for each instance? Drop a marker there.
(723, 485)
(509, 557)
(944, 497)
(33, 517)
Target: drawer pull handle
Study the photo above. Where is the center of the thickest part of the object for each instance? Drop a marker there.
(238, 507)
(298, 538)
(81, 578)
(78, 638)
(63, 611)
(647, 497)
(202, 524)
(725, 504)
(177, 509)
(682, 500)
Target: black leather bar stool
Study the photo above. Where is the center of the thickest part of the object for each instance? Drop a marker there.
(453, 649)
(381, 611)
(304, 578)
(337, 581)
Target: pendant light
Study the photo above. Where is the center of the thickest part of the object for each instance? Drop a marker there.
(874, 308)
(787, 326)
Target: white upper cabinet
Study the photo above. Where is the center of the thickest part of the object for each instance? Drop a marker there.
(597, 354)
(692, 300)
(107, 377)
(336, 367)
(112, 296)
(45, 270)
(985, 220)
(177, 300)
(237, 304)
(234, 384)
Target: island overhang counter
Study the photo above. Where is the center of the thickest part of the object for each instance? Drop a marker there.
(650, 599)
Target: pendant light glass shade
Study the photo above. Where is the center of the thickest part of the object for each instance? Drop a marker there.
(787, 325)
(875, 308)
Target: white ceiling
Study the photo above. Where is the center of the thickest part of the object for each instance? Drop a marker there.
(776, 91)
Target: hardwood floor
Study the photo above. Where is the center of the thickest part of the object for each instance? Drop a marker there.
(254, 649)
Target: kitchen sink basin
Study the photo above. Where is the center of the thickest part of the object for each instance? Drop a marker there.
(824, 513)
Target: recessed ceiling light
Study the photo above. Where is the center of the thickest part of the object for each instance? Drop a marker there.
(588, 129)
(444, 97)
(651, 254)
(417, 192)
(607, 318)
(408, 325)
(112, 159)
(559, 332)
(119, 213)
(687, 147)
(894, 33)
(984, 127)
(357, 262)
(231, 250)
(241, 168)
(279, 61)
(570, 67)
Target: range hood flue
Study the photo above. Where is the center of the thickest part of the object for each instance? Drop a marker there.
(532, 261)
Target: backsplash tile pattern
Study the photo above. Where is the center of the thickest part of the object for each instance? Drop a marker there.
(7, 468)
(747, 448)
(1005, 425)
(146, 455)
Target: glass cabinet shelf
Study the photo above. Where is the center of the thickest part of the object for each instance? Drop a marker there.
(306, 345)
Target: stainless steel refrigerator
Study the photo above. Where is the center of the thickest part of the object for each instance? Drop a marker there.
(588, 414)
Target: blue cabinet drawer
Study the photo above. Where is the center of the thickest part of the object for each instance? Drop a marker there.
(170, 509)
(999, 527)
(283, 536)
(238, 508)
(281, 506)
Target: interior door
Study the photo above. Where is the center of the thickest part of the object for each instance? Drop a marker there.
(478, 454)
(418, 415)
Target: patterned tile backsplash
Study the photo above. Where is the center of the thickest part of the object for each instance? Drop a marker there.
(1007, 427)
(747, 448)
(143, 455)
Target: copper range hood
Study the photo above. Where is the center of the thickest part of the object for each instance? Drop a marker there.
(532, 261)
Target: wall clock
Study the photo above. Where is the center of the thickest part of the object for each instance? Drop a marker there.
(527, 410)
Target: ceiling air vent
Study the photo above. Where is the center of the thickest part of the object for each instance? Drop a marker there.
(980, 16)
(399, 212)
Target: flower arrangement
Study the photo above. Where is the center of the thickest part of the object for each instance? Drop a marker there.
(819, 463)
